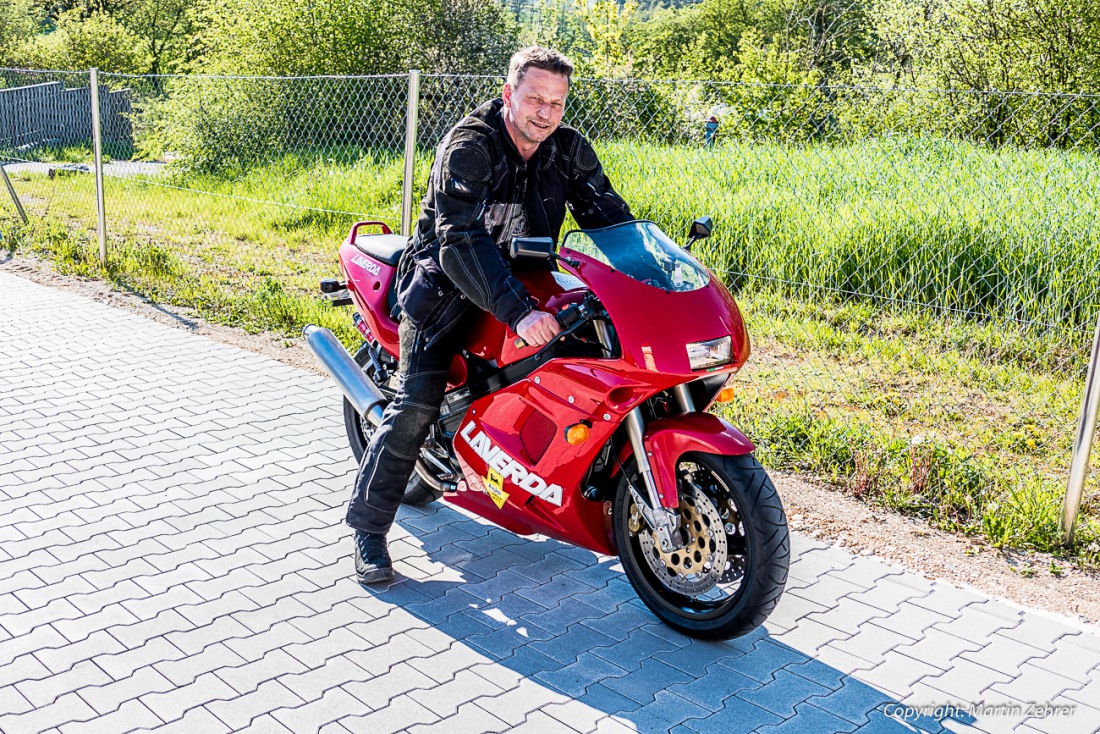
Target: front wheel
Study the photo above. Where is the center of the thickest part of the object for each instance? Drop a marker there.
(730, 572)
(359, 430)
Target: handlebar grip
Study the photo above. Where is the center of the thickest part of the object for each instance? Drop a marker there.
(568, 316)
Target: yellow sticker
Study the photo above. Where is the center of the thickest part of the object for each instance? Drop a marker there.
(494, 483)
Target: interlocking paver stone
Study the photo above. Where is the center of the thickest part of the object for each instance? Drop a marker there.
(172, 550)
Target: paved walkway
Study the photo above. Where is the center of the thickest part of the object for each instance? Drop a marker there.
(172, 556)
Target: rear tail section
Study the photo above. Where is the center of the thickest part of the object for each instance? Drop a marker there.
(369, 264)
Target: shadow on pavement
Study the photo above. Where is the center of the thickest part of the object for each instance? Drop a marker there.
(569, 620)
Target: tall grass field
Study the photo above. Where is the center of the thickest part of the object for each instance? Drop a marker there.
(921, 309)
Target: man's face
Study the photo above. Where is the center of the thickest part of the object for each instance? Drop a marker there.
(535, 106)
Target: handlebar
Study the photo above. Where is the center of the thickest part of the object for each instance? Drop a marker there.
(571, 318)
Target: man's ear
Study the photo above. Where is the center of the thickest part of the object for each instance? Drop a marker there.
(506, 93)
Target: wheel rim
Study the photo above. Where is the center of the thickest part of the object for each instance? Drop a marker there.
(707, 576)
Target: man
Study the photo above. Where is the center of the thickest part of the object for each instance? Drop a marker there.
(507, 170)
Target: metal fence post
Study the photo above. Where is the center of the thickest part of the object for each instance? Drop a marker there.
(14, 196)
(410, 152)
(97, 147)
(1082, 446)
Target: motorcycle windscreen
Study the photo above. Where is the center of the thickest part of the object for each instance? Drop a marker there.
(659, 297)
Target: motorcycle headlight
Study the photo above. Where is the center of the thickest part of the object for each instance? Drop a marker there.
(711, 353)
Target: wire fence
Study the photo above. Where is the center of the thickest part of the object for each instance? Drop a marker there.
(920, 270)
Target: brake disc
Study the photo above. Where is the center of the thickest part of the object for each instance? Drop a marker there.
(697, 566)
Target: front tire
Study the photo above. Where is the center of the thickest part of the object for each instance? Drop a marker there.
(725, 581)
(359, 430)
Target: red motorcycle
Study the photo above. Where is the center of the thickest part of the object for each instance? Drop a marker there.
(600, 438)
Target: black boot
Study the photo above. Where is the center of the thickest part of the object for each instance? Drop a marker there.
(372, 560)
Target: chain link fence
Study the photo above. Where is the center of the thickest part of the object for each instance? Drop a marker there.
(919, 270)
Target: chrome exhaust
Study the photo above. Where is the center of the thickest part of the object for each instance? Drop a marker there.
(359, 389)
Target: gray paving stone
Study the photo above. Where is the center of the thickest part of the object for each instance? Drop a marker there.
(896, 673)
(395, 717)
(1036, 684)
(238, 711)
(113, 696)
(23, 668)
(940, 649)
(185, 670)
(470, 718)
(315, 715)
(966, 679)
(59, 659)
(911, 621)
(41, 638)
(13, 702)
(575, 678)
(68, 708)
(44, 691)
(736, 715)
(1070, 659)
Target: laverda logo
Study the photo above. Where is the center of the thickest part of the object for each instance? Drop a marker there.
(370, 267)
(495, 457)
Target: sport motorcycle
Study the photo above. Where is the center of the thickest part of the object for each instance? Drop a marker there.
(600, 438)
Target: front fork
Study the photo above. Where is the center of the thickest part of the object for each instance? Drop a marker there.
(663, 521)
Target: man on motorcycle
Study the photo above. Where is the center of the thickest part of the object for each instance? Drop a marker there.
(509, 169)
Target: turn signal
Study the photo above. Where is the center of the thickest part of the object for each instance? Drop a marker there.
(576, 434)
(724, 395)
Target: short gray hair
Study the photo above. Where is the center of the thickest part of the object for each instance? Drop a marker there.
(537, 57)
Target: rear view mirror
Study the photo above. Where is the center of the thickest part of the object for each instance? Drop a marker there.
(700, 228)
(538, 247)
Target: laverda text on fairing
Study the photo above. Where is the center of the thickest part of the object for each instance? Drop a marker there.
(600, 438)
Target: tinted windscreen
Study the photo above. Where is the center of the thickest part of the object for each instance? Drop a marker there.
(643, 252)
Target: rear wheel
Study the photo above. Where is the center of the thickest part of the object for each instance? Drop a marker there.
(360, 430)
(728, 576)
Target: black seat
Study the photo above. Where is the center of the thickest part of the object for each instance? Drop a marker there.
(386, 248)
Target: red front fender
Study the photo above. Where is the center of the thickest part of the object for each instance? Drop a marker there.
(667, 439)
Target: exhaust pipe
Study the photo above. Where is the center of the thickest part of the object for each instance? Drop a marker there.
(359, 389)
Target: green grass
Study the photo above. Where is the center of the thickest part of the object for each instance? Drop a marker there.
(961, 410)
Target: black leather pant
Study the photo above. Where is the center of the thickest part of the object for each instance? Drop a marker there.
(395, 445)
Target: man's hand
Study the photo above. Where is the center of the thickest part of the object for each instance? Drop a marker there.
(538, 328)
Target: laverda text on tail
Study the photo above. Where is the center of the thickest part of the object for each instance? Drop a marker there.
(600, 438)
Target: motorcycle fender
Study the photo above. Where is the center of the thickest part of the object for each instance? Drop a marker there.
(667, 439)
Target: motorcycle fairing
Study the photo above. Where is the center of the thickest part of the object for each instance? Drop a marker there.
(654, 325)
(667, 439)
(501, 417)
(369, 281)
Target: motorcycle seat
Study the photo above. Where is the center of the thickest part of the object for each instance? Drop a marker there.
(385, 248)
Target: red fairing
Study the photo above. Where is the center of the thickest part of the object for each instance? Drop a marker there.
(369, 285)
(541, 474)
(654, 325)
(667, 439)
(492, 340)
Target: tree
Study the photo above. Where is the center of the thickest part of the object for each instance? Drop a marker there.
(81, 43)
(19, 21)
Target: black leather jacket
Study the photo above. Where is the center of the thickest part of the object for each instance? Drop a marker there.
(481, 194)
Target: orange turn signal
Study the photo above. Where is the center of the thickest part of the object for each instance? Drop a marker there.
(576, 434)
(724, 395)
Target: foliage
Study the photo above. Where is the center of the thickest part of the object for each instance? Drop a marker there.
(19, 20)
(288, 37)
(98, 40)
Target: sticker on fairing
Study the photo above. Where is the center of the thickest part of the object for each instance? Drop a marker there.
(494, 483)
(508, 468)
(371, 267)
